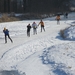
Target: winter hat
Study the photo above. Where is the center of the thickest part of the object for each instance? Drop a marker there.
(33, 22)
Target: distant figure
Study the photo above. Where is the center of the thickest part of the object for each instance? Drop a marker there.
(58, 19)
(6, 33)
(28, 30)
(66, 14)
(34, 26)
(42, 25)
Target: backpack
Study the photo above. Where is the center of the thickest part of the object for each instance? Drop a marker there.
(35, 27)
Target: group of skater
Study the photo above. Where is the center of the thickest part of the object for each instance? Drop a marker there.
(35, 26)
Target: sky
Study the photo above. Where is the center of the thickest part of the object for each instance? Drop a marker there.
(45, 53)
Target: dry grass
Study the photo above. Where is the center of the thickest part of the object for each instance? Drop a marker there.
(6, 18)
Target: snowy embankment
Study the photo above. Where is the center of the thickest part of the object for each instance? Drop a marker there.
(43, 54)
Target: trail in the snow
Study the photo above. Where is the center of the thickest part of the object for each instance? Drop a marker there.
(30, 45)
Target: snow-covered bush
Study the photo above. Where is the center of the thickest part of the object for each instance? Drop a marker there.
(68, 33)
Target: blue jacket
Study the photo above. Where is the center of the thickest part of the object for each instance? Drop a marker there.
(6, 32)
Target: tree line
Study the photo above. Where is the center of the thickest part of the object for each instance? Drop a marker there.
(34, 6)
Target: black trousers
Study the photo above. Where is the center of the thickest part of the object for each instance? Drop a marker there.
(28, 33)
(42, 27)
(8, 37)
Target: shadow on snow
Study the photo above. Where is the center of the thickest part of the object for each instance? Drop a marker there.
(12, 72)
(58, 68)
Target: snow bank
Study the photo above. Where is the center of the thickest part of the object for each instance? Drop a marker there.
(69, 33)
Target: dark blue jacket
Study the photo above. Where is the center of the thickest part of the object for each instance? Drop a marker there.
(6, 32)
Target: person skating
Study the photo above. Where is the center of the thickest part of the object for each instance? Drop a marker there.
(58, 19)
(66, 14)
(6, 33)
(42, 25)
(34, 26)
(28, 30)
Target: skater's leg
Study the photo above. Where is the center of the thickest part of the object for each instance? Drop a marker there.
(43, 28)
(10, 38)
(5, 39)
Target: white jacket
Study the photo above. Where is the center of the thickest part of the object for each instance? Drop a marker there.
(34, 25)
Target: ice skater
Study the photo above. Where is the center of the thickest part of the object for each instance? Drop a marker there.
(6, 33)
(42, 25)
(28, 30)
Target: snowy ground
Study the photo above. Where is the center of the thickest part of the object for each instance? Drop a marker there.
(46, 53)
